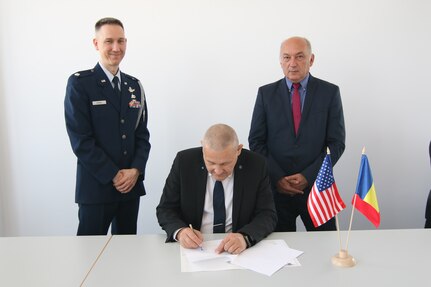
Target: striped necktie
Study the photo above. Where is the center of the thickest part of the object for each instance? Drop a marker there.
(219, 208)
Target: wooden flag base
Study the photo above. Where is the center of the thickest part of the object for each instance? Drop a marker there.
(343, 259)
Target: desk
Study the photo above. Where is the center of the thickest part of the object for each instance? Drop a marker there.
(384, 258)
(47, 261)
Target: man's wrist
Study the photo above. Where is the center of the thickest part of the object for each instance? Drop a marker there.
(136, 171)
(177, 233)
(248, 239)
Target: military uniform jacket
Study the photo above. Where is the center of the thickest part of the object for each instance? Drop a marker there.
(107, 133)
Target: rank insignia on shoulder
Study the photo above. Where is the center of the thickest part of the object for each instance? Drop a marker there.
(84, 73)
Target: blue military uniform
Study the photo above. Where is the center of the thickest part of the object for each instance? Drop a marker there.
(107, 133)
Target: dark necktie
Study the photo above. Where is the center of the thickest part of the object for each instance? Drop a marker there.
(219, 208)
(116, 88)
(296, 106)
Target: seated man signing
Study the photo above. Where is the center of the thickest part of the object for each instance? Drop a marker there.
(218, 188)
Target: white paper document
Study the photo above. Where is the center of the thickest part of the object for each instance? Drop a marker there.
(266, 257)
(206, 259)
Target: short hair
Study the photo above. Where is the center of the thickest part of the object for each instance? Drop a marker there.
(107, 21)
(220, 136)
(307, 42)
(308, 45)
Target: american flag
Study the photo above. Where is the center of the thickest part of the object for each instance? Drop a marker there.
(324, 202)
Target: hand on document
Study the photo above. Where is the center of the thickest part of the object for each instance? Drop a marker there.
(191, 238)
(233, 243)
(266, 257)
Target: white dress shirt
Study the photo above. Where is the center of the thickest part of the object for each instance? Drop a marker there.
(208, 215)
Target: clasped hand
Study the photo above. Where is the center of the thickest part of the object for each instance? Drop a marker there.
(125, 179)
(292, 184)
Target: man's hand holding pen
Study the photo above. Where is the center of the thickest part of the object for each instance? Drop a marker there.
(190, 238)
(233, 243)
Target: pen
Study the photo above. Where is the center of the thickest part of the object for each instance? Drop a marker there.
(191, 227)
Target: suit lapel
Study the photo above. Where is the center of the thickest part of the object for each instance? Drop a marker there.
(311, 90)
(106, 88)
(201, 181)
(125, 98)
(130, 91)
(238, 192)
(285, 98)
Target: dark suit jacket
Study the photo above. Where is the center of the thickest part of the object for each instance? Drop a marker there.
(106, 134)
(322, 125)
(182, 201)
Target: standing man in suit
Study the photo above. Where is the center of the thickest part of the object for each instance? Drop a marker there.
(189, 205)
(106, 120)
(294, 120)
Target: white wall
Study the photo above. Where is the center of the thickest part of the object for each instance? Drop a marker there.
(201, 62)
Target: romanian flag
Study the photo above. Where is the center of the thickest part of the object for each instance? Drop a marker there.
(365, 198)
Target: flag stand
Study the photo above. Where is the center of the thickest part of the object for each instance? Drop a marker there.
(342, 259)
(365, 194)
(324, 202)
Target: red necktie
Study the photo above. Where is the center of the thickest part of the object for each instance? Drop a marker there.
(296, 106)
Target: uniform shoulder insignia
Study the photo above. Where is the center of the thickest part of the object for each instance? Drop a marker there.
(131, 77)
(84, 73)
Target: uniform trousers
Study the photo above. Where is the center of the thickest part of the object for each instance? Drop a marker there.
(95, 219)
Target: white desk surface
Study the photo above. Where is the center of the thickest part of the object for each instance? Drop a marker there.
(47, 261)
(384, 258)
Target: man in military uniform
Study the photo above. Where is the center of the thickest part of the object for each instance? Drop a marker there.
(106, 120)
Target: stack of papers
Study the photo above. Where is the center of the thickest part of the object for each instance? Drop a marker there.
(266, 257)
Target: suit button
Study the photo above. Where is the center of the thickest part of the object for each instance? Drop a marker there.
(122, 121)
(125, 152)
(123, 137)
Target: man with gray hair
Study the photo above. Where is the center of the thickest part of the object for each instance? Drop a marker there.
(217, 188)
(294, 120)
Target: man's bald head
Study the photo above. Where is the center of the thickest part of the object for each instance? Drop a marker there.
(220, 150)
(220, 136)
